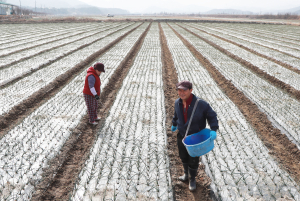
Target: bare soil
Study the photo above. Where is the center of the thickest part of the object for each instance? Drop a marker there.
(60, 187)
(276, 82)
(180, 189)
(286, 153)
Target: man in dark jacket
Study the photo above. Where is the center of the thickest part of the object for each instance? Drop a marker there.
(183, 110)
(91, 91)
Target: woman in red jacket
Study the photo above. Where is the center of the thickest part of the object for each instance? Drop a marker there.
(91, 91)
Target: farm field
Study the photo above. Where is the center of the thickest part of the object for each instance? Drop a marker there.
(248, 73)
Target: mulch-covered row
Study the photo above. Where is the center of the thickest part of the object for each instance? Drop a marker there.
(32, 70)
(275, 81)
(22, 110)
(296, 70)
(286, 153)
(77, 151)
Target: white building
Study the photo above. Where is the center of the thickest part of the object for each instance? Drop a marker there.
(6, 8)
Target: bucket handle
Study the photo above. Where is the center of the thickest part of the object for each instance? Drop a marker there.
(191, 118)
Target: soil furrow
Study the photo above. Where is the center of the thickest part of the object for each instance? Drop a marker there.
(274, 33)
(20, 111)
(276, 82)
(265, 46)
(32, 34)
(14, 52)
(261, 36)
(29, 72)
(296, 70)
(38, 53)
(286, 153)
(170, 79)
(47, 37)
(277, 39)
(4, 38)
(68, 164)
(27, 42)
(264, 40)
(288, 38)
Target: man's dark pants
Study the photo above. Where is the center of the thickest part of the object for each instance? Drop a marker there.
(184, 155)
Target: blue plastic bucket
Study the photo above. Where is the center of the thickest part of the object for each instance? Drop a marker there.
(199, 143)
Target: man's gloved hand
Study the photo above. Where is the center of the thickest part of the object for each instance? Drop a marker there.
(213, 135)
(174, 128)
(97, 97)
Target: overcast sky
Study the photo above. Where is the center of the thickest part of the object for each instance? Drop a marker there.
(252, 5)
(194, 6)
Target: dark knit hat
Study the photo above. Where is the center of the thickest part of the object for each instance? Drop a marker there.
(185, 85)
(99, 67)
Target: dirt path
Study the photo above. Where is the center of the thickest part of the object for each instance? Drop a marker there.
(286, 153)
(296, 70)
(180, 189)
(276, 82)
(22, 110)
(76, 151)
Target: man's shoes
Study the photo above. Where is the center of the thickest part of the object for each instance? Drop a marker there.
(193, 174)
(98, 119)
(93, 123)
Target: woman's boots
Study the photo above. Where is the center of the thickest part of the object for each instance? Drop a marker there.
(189, 171)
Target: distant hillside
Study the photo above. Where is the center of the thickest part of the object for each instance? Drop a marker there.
(88, 10)
(295, 11)
(228, 12)
(176, 9)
